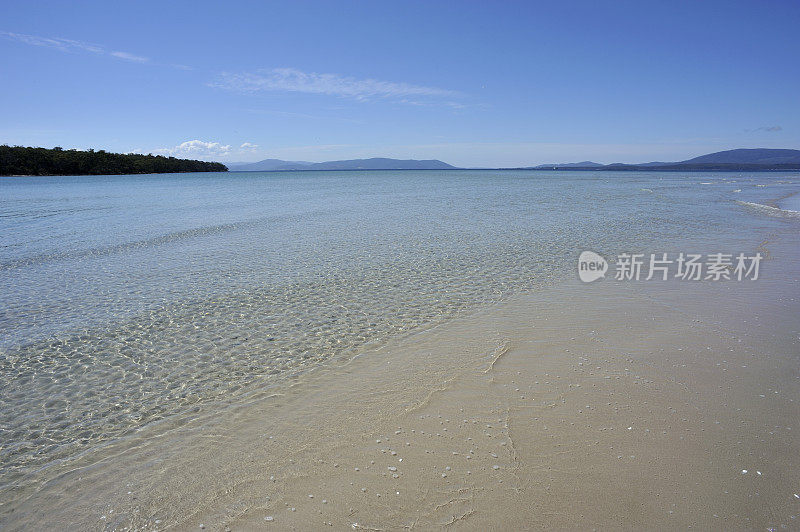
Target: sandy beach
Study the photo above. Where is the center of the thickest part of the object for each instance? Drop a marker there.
(605, 406)
(389, 266)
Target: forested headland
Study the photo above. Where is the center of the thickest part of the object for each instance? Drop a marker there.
(19, 160)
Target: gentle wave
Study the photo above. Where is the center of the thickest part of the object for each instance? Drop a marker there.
(768, 209)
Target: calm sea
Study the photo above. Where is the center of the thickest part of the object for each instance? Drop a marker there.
(130, 299)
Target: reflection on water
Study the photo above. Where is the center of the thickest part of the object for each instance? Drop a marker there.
(128, 299)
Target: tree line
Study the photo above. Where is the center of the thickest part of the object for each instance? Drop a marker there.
(19, 160)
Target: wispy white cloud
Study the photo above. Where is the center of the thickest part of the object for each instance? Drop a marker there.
(197, 149)
(69, 45)
(248, 146)
(65, 45)
(293, 80)
(129, 57)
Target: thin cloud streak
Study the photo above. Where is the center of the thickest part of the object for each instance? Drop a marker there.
(129, 57)
(278, 79)
(64, 45)
(293, 80)
(71, 46)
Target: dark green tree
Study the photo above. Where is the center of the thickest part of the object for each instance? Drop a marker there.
(19, 160)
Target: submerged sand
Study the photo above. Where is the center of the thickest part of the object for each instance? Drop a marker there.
(611, 405)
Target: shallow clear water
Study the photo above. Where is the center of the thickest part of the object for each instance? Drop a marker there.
(129, 299)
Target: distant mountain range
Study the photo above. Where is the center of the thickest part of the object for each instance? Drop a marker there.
(740, 159)
(377, 163)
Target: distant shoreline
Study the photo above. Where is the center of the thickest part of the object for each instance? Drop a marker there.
(733, 168)
(22, 161)
(106, 175)
(736, 160)
(716, 168)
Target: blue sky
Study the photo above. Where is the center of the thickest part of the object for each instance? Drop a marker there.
(471, 83)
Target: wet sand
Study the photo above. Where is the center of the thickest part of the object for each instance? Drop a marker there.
(611, 405)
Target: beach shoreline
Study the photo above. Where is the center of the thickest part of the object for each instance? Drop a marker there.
(565, 408)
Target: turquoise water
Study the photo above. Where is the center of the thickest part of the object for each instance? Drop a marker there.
(130, 299)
